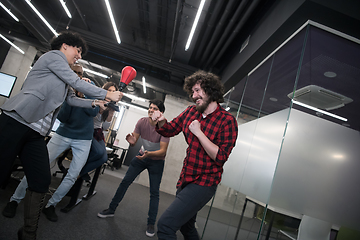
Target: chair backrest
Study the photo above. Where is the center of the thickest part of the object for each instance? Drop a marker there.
(112, 138)
(313, 229)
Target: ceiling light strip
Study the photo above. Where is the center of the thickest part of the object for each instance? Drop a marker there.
(65, 8)
(134, 97)
(8, 11)
(144, 84)
(95, 73)
(42, 18)
(134, 106)
(9, 42)
(319, 110)
(230, 90)
(113, 21)
(197, 17)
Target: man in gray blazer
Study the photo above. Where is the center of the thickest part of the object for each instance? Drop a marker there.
(28, 117)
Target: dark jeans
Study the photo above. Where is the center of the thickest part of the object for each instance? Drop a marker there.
(16, 139)
(181, 214)
(97, 156)
(155, 169)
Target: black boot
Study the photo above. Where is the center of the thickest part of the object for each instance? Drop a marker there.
(33, 204)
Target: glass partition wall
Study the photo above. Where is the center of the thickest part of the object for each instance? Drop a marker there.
(294, 168)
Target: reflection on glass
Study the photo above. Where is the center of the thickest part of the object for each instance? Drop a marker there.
(292, 164)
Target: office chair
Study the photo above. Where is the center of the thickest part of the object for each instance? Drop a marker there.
(113, 158)
(63, 170)
(17, 167)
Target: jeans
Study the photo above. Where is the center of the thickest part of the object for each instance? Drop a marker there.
(181, 214)
(16, 139)
(155, 169)
(56, 145)
(97, 156)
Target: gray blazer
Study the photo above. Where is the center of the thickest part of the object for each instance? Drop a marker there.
(46, 87)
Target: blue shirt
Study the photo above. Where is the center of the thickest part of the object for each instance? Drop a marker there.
(76, 122)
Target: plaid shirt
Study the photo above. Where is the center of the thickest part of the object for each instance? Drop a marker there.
(220, 127)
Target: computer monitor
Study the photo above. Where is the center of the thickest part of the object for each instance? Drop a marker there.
(7, 83)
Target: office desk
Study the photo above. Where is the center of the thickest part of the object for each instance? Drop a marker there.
(114, 161)
(273, 211)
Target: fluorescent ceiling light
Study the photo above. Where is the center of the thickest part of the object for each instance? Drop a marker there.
(83, 61)
(42, 18)
(134, 97)
(65, 8)
(202, 3)
(8, 11)
(319, 110)
(144, 84)
(95, 73)
(9, 42)
(230, 90)
(227, 108)
(112, 21)
(131, 105)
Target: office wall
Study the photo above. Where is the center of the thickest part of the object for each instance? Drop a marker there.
(18, 64)
(130, 118)
(318, 170)
(251, 165)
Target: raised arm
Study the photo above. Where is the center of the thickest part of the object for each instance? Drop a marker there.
(132, 138)
(210, 148)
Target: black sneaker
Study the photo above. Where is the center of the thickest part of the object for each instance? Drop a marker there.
(10, 209)
(150, 231)
(106, 213)
(50, 213)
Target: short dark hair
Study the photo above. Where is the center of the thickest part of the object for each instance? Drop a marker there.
(70, 38)
(209, 82)
(159, 104)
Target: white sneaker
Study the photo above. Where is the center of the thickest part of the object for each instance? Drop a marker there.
(150, 232)
(106, 213)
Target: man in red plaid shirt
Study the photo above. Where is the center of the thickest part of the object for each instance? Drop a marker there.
(211, 133)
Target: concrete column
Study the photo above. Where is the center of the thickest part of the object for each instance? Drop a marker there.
(18, 64)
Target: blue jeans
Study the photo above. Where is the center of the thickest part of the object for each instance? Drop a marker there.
(181, 214)
(97, 156)
(155, 169)
(56, 145)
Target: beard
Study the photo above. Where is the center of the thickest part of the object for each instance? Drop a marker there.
(202, 108)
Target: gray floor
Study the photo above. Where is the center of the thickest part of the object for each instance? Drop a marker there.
(82, 221)
(130, 219)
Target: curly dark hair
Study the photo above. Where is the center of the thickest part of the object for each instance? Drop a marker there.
(209, 82)
(159, 104)
(70, 38)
